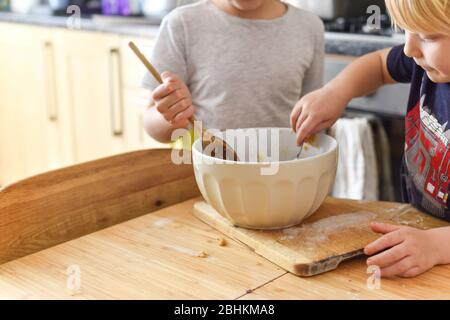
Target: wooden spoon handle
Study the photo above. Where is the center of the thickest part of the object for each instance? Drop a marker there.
(144, 60)
(152, 69)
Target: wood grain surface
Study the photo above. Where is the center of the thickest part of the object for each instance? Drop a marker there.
(61, 205)
(170, 254)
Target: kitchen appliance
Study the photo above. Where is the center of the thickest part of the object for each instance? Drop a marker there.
(87, 7)
(58, 4)
(23, 6)
(332, 9)
(157, 9)
(358, 25)
(121, 7)
(349, 35)
(388, 104)
(268, 190)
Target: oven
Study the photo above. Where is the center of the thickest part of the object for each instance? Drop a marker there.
(332, 9)
(387, 105)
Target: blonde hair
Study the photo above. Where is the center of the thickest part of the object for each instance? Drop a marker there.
(423, 16)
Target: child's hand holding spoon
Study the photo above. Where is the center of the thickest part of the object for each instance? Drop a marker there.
(175, 104)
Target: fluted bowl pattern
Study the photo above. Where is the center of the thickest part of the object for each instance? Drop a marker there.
(281, 198)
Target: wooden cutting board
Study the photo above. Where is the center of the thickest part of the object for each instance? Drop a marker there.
(338, 231)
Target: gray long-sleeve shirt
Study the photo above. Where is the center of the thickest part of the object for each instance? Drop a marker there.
(242, 73)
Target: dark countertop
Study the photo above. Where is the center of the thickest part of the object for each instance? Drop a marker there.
(358, 45)
(336, 43)
(130, 29)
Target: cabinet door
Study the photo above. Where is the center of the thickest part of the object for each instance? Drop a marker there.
(92, 90)
(30, 133)
(135, 102)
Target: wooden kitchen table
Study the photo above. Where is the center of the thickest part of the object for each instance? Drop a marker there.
(164, 254)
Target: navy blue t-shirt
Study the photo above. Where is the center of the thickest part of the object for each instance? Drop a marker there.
(425, 170)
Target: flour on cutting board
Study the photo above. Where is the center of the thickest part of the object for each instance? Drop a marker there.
(407, 219)
(403, 214)
(319, 231)
(398, 209)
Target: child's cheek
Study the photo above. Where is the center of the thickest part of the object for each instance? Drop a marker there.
(443, 70)
(441, 60)
(446, 70)
(440, 64)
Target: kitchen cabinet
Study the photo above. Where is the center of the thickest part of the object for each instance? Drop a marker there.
(136, 100)
(68, 96)
(106, 105)
(90, 75)
(31, 133)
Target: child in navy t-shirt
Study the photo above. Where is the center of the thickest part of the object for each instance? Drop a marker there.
(426, 163)
(424, 61)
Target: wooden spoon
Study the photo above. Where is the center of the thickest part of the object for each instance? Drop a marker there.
(207, 138)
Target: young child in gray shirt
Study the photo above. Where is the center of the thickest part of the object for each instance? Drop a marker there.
(234, 64)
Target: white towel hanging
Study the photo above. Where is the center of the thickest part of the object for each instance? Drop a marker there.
(357, 175)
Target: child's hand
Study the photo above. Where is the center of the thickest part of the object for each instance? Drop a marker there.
(316, 111)
(408, 251)
(173, 100)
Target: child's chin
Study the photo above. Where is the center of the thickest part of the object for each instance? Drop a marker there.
(247, 5)
(437, 77)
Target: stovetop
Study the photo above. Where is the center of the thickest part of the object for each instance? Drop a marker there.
(360, 25)
(356, 37)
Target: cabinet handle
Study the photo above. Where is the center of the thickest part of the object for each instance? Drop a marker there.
(49, 71)
(116, 105)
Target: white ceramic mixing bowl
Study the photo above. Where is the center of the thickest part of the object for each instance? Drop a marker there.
(252, 195)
